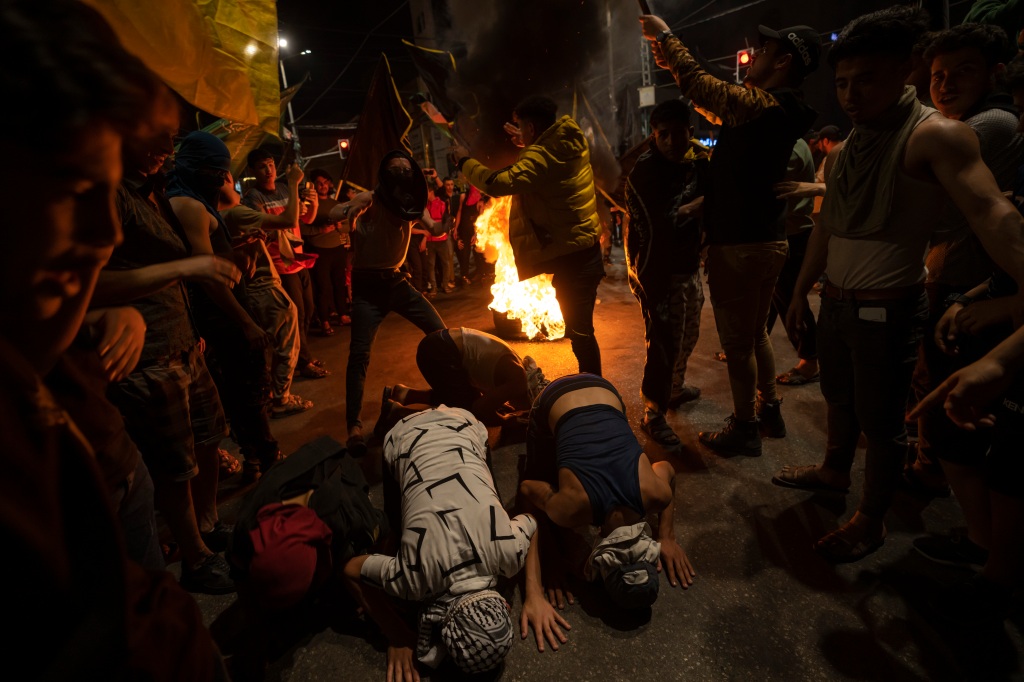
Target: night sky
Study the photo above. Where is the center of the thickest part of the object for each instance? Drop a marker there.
(334, 32)
(717, 28)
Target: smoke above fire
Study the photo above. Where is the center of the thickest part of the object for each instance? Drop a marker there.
(537, 47)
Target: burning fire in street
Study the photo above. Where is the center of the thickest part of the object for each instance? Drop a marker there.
(533, 301)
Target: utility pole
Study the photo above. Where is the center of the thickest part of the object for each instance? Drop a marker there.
(291, 117)
(611, 51)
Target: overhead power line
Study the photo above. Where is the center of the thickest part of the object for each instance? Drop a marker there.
(348, 64)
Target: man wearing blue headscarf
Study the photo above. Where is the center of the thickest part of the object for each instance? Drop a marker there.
(236, 341)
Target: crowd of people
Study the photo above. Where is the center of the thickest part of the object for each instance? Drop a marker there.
(151, 309)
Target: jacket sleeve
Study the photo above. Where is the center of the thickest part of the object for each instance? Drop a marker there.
(733, 104)
(638, 228)
(514, 179)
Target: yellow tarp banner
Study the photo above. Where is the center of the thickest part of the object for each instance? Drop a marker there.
(220, 55)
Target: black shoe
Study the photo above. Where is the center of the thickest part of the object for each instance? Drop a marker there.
(975, 604)
(955, 549)
(212, 577)
(217, 539)
(737, 438)
(769, 419)
(685, 395)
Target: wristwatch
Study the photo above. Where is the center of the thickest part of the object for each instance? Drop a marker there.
(660, 38)
(958, 298)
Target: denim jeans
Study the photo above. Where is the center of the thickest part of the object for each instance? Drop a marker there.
(575, 279)
(375, 293)
(741, 280)
(866, 366)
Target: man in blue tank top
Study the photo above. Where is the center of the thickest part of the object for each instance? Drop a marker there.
(584, 466)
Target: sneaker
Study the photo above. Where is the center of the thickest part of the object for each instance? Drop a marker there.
(216, 539)
(213, 576)
(737, 438)
(684, 395)
(954, 549)
(769, 419)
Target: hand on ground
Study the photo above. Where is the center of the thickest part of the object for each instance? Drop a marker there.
(678, 568)
(547, 623)
(402, 664)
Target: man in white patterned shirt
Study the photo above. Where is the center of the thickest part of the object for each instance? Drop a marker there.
(456, 540)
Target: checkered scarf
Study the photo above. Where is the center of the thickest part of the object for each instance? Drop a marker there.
(476, 630)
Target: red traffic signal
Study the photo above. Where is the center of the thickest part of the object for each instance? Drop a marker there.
(343, 146)
(743, 59)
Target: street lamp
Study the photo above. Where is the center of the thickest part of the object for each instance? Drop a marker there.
(282, 42)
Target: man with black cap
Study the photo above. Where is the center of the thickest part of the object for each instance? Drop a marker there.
(381, 229)
(456, 539)
(744, 219)
(584, 466)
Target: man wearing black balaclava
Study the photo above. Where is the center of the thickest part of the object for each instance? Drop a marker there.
(223, 317)
(381, 228)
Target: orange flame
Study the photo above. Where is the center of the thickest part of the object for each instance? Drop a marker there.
(533, 301)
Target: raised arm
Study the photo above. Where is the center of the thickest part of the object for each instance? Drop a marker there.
(290, 218)
(732, 104)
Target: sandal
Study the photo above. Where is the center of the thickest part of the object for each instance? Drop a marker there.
(326, 330)
(847, 544)
(660, 432)
(229, 464)
(805, 478)
(794, 378)
(314, 370)
(292, 404)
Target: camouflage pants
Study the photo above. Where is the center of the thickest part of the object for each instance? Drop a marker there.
(672, 320)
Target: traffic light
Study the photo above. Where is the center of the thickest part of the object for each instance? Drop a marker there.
(343, 147)
(743, 59)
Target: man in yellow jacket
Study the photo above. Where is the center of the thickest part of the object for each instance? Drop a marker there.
(553, 224)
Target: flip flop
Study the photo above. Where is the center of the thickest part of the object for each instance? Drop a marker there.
(229, 464)
(847, 544)
(804, 478)
(794, 378)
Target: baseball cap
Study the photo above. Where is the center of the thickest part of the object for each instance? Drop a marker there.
(803, 41)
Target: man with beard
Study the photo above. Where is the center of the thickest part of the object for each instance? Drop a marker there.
(381, 229)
